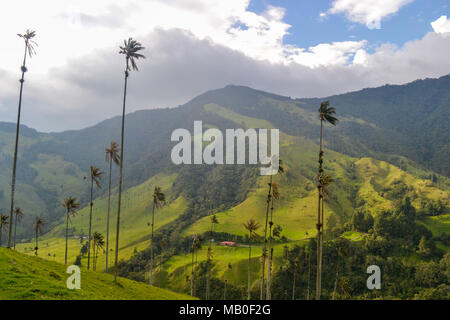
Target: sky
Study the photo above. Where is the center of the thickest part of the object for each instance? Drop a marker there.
(297, 48)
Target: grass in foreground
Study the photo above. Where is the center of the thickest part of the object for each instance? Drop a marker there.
(30, 278)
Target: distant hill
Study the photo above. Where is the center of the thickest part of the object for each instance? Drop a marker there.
(406, 126)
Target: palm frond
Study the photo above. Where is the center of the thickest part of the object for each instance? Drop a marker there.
(130, 50)
(326, 113)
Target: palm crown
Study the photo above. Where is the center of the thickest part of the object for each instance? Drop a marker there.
(158, 197)
(251, 226)
(39, 224)
(3, 221)
(27, 36)
(326, 113)
(99, 240)
(113, 153)
(324, 180)
(96, 175)
(71, 205)
(130, 50)
(19, 214)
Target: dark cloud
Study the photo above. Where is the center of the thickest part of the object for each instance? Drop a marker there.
(179, 66)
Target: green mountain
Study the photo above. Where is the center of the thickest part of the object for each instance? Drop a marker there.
(391, 143)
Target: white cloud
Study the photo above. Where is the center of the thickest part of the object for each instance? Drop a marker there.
(441, 25)
(180, 66)
(72, 28)
(367, 11)
(76, 78)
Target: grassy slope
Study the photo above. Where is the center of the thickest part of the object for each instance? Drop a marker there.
(25, 277)
(135, 216)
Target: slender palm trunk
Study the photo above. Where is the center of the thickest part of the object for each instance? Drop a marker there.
(192, 272)
(309, 275)
(336, 281)
(208, 266)
(293, 286)
(15, 229)
(151, 246)
(160, 269)
(264, 254)
(269, 262)
(107, 217)
(120, 174)
(67, 235)
(225, 290)
(13, 180)
(195, 272)
(319, 226)
(249, 263)
(91, 204)
(37, 241)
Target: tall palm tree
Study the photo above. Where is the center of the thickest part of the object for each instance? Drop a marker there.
(39, 223)
(96, 175)
(3, 225)
(251, 226)
(130, 50)
(98, 243)
(264, 251)
(29, 48)
(112, 155)
(326, 113)
(71, 205)
(158, 198)
(18, 215)
(214, 222)
(276, 196)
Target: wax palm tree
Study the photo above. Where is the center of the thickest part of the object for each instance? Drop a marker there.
(96, 175)
(326, 113)
(3, 225)
(197, 247)
(112, 155)
(38, 224)
(251, 226)
(275, 196)
(214, 222)
(18, 215)
(158, 199)
(98, 244)
(29, 48)
(71, 205)
(264, 251)
(130, 50)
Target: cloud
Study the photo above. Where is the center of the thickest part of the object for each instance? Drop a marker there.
(367, 11)
(441, 25)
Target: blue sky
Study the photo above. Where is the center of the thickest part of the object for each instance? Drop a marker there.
(307, 29)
